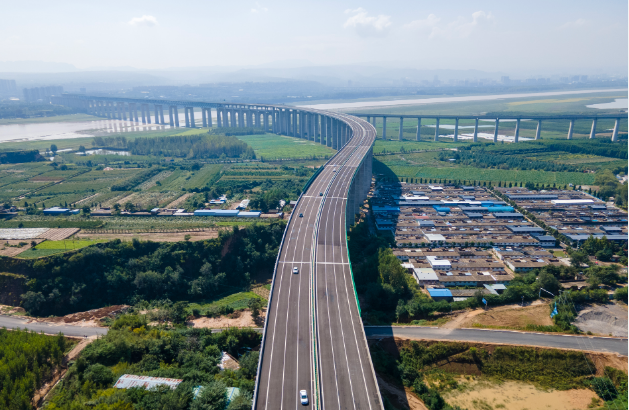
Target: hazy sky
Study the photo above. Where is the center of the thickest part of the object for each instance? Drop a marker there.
(540, 37)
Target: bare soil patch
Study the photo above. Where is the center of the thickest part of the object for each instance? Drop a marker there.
(606, 319)
(240, 318)
(512, 316)
(91, 318)
(57, 234)
(483, 395)
(155, 237)
(403, 396)
(10, 247)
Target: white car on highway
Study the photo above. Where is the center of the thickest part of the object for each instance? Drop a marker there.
(295, 269)
(303, 396)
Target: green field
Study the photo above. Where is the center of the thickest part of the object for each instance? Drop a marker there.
(52, 247)
(56, 118)
(235, 301)
(271, 146)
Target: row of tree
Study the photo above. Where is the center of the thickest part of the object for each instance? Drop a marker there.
(199, 146)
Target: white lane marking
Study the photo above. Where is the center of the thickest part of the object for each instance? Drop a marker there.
(338, 310)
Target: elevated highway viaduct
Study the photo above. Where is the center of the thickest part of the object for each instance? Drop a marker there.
(313, 336)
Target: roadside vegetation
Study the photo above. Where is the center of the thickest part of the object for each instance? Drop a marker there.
(133, 347)
(431, 370)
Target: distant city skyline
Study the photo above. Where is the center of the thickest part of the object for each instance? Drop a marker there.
(536, 39)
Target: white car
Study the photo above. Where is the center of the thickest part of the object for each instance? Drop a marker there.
(295, 269)
(303, 396)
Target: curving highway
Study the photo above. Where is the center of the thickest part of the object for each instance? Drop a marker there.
(314, 338)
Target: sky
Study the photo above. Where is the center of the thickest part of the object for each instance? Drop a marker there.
(532, 37)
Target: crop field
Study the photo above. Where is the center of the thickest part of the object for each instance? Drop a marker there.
(52, 247)
(272, 147)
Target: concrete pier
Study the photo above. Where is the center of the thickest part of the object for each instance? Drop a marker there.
(456, 130)
(496, 130)
(570, 129)
(437, 130)
(401, 133)
(615, 133)
(538, 132)
(384, 128)
(156, 115)
(316, 136)
(516, 136)
(593, 131)
(265, 122)
(185, 115)
(193, 124)
(476, 130)
(419, 129)
(203, 117)
(143, 114)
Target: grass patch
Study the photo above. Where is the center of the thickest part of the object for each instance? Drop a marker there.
(235, 301)
(272, 147)
(52, 247)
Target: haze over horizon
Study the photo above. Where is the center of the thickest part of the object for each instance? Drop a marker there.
(568, 37)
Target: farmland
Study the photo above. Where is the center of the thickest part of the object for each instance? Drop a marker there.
(52, 247)
(273, 147)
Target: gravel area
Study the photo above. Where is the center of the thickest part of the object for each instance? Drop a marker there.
(604, 320)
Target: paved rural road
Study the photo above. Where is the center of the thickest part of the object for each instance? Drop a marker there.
(598, 344)
(323, 300)
(12, 322)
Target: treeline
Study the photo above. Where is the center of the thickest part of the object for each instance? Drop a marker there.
(137, 179)
(192, 147)
(16, 157)
(491, 159)
(129, 272)
(234, 131)
(119, 141)
(24, 110)
(27, 360)
(132, 347)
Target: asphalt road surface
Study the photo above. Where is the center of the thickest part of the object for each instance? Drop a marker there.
(591, 343)
(12, 322)
(319, 308)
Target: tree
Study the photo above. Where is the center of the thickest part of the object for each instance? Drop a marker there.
(53, 148)
(82, 149)
(213, 396)
(86, 210)
(129, 206)
(578, 258)
(32, 301)
(254, 304)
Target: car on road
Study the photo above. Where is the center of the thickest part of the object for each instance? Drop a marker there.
(295, 269)
(301, 215)
(320, 193)
(303, 396)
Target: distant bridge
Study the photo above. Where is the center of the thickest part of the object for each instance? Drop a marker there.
(371, 118)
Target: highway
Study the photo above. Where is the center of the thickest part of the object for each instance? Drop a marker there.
(314, 338)
(591, 343)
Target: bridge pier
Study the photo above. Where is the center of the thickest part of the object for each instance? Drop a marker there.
(593, 131)
(570, 129)
(384, 128)
(615, 132)
(496, 130)
(143, 113)
(456, 130)
(476, 130)
(419, 132)
(316, 136)
(157, 120)
(437, 130)
(538, 132)
(516, 136)
(400, 135)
